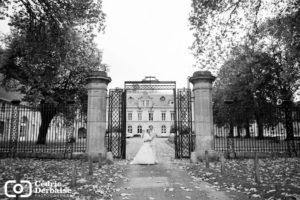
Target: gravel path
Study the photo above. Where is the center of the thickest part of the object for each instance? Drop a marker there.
(166, 180)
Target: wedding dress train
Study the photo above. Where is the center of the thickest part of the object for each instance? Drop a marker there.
(146, 154)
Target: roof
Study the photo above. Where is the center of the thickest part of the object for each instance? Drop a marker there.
(156, 99)
(150, 83)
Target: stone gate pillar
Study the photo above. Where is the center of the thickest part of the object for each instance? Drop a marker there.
(203, 114)
(96, 116)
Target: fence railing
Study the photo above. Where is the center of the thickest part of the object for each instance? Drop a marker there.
(27, 130)
(278, 130)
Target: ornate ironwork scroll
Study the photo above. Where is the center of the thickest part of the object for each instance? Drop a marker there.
(116, 134)
(230, 146)
(148, 85)
(14, 130)
(184, 140)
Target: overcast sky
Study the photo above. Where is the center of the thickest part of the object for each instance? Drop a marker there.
(146, 37)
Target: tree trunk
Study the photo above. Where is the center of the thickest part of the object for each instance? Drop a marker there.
(231, 135)
(238, 130)
(289, 124)
(247, 127)
(260, 128)
(48, 111)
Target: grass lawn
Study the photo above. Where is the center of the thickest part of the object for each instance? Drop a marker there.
(279, 178)
(100, 185)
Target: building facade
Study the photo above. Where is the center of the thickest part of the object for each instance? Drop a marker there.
(149, 109)
(29, 122)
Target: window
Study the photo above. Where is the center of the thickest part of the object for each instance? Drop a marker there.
(147, 103)
(81, 133)
(129, 129)
(23, 126)
(163, 129)
(150, 116)
(143, 103)
(139, 129)
(162, 98)
(140, 116)
(3, 107)
(172, 116)
(163, 116)
(1, 127)
(129, 116)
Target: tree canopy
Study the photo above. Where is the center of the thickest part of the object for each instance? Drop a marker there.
(248, 81)
(50, 51)
(220, 25)
(58, 13)
(253, 47)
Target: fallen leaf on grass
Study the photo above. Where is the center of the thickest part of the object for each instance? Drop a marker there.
(186, 189)
(279, 177)
(256, 195)
(125, 194)
(270, 191)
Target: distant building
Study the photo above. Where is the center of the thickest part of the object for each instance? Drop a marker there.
(6, 96)
(149, 109)
(29, 121)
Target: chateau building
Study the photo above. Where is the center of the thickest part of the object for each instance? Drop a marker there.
(150, 109)
(29, 121)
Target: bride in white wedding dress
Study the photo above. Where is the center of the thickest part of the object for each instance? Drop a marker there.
(146, 154)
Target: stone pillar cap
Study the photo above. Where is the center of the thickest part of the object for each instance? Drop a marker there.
(202, 75)
(98, 75)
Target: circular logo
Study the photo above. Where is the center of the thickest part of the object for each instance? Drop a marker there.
(18, 188)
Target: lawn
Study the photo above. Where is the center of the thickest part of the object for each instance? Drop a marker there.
(100, 185)
(279, 177)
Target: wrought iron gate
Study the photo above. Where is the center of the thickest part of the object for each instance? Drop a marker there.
(184, 137)
(116, 133)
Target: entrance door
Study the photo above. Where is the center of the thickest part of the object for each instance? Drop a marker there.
(184, 138)
(116, 132)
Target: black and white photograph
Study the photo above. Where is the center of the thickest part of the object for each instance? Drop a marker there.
(150, 99)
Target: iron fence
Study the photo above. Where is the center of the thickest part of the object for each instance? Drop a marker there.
(276, 130)
(30, 130)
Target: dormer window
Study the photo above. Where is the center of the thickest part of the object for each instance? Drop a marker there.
(147, 103)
